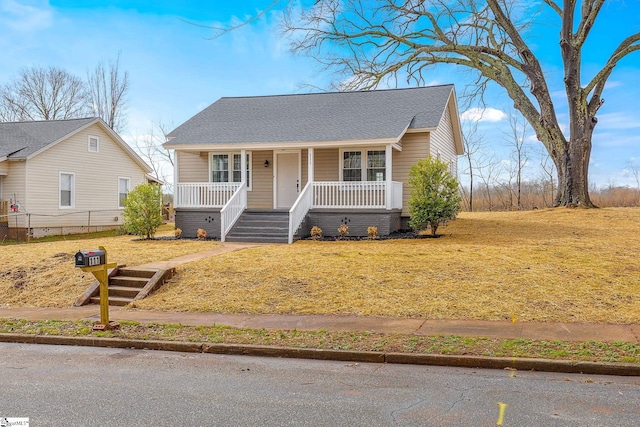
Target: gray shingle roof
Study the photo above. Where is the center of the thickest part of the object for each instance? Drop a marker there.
(335, 116)
(21, 139)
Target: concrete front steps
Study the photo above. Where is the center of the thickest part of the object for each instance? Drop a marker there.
(261, 226)
(127, 285)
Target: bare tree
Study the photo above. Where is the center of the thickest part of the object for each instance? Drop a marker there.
(161, 160)
(107, 92)
(633, 169)
(404, 38)
(43, 94)
(473, 142)
(519, 156)
(488, 170)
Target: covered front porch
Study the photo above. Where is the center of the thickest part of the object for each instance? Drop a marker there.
(313, 186)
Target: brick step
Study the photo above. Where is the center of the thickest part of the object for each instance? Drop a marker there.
(258, 239)
(261, 223)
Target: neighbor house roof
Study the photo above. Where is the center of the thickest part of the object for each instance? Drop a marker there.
(316, 117)
(23, 140)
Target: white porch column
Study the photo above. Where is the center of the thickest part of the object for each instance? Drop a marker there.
(389, 175)
(310, 166)
(243, 167)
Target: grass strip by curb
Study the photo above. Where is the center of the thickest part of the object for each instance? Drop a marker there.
(406, 345)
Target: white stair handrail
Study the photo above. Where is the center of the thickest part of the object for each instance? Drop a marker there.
(300, 209)
(232, 210)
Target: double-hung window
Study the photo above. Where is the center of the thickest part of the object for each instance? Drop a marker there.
(124, 185)
(370, 164)
(352, 166)
(228, 168)
(67, 189)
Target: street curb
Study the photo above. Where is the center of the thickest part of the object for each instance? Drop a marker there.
(515, 363)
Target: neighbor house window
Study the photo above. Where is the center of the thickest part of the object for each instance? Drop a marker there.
(124, 185)
(94, 144)
(67, 189)
(228, 168)
(370, 164)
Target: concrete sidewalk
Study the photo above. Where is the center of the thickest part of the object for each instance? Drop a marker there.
(409, 326)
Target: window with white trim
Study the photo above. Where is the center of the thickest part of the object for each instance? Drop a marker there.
(370, 164)
(94, 144)
(376, 165)
(124, 185)
(67, 189)
(227, 167)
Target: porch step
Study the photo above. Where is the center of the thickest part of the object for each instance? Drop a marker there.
(260, 226)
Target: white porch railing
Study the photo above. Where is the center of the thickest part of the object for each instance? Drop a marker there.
(232, 210)
(396, 195)
(299, 209)
(343, 195)
(356, 195)
(204, 194)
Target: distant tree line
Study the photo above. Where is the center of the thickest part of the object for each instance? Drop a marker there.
(51, 93)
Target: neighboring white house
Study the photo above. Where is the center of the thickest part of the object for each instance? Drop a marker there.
(64, 176)
(268, 168)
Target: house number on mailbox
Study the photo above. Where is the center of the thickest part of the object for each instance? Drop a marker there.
(94, 260)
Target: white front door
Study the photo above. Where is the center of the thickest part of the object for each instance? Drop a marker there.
(287, 179)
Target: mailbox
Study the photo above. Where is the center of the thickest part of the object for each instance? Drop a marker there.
(90, 258)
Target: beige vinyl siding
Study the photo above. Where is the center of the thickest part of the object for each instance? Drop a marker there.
(261, 194)
(192, 167)
(326, 163)
(415, 146)
(96, 181)
(442, 143)
(4, 167)
(14, 185)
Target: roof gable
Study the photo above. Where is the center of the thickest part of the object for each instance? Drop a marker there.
(23, 140)
(317, 117)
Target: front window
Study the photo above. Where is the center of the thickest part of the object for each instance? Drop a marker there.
(370, 164)
(228, 168)
(352, 166)
(123, 189)
(376, 165)
(67, 189)
(220, 168)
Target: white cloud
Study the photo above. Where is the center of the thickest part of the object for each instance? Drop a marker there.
(25, 16)
(617, 121)
(483, 115)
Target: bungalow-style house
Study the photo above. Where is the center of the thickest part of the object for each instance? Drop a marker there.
(64, 176)
(269, 168)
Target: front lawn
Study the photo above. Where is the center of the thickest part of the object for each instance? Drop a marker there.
(570, 265)
(43, 274)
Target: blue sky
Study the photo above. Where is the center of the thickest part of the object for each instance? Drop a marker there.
(175, 70)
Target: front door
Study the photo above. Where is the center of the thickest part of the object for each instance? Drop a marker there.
(287, 179)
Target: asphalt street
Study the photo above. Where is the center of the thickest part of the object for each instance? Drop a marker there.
(86, 386)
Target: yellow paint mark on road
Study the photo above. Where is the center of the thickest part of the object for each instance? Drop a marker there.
(502, 406)
(514, 319)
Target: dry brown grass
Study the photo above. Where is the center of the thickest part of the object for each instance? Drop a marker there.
(568, 265)
(43, 274)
